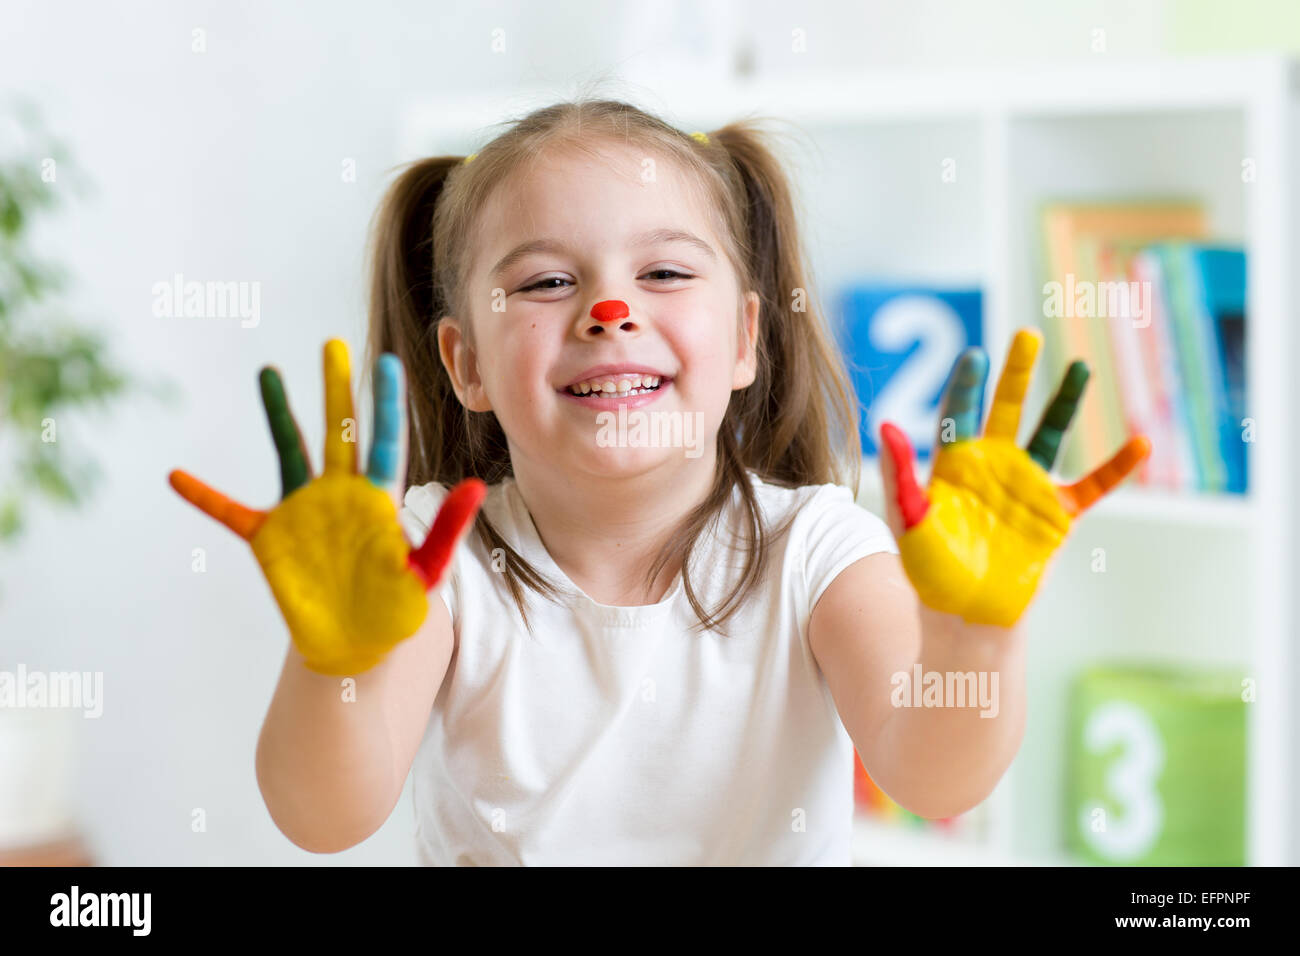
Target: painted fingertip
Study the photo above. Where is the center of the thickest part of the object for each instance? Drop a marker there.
(897, 441)
(270, 384)
(1076, 376)
(336, 354)
(1026, 344)
(469, 494)
(970, 371)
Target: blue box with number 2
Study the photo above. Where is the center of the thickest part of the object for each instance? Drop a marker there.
(902, 341)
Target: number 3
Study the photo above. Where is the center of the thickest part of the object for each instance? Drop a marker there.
(1130, 780)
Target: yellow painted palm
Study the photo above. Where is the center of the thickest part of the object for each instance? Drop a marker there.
(975, 543)
(347, 582)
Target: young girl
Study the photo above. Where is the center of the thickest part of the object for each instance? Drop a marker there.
(654, 649)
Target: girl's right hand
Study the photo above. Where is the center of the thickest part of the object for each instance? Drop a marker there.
(347, 582)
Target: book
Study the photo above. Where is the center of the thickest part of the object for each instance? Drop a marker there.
(1077, 307)
(1196, 361)
(1217, 286)
(1140, 391)
(1174, 463)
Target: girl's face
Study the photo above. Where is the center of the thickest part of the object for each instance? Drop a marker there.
(568, 234)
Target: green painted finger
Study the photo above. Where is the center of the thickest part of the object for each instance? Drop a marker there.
(963, 402)
(294, 469)
(1046, 443)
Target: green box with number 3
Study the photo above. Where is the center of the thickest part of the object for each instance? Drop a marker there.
(1157, 766)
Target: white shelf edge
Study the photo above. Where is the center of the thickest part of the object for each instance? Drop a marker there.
(1173, 507)
(1107, 86)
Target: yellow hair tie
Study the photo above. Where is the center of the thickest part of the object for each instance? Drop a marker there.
(469, 159)
(700, 138)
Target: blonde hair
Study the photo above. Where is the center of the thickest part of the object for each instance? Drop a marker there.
(796, 425)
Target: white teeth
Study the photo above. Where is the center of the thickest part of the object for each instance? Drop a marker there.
(630, 383)
(623, 388)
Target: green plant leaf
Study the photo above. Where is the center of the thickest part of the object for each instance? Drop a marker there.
(48, 366)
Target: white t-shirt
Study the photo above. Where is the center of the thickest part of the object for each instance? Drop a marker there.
(617, 736)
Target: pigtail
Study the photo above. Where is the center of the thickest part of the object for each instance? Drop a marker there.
(405, 303)
(783, 420)
(408, 298)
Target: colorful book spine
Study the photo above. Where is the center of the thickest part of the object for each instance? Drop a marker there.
(1171, 449)
(1138, 390)
(1217, 280)
(1195, 362)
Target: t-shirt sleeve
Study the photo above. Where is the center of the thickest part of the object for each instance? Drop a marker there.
(837, 532)
(416, 516)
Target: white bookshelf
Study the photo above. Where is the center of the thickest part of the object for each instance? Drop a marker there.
(1193, 577)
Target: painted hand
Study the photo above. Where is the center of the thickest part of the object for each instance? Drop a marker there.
(976, 542)
(348, 584)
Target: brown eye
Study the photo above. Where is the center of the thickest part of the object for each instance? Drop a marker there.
(541, 284)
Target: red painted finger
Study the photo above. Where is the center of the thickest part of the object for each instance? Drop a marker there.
(912, 500)
(458, 510)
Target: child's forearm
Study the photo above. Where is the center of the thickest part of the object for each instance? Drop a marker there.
(938, 761)
(325, 761)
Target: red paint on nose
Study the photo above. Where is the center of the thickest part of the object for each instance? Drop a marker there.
(609, 310)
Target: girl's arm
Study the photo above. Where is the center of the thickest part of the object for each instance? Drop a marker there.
(334, 752)
(923, 652)
(869, 635)
(369, 650)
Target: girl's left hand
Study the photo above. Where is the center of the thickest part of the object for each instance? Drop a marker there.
(976, 542)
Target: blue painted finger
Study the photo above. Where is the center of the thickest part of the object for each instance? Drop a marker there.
(385, 449)
(964, 400)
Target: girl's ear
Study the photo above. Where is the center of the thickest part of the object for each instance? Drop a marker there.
(462, 366)
(747, 347)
